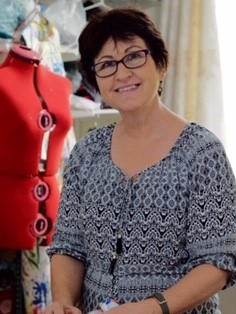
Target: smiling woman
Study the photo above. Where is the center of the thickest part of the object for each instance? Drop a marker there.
(148, 205)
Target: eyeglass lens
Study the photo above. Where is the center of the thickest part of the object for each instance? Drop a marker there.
(131, 61)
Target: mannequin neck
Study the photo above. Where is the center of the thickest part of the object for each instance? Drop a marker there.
(25, 54)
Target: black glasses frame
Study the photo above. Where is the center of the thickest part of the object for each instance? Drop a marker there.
(122, 60)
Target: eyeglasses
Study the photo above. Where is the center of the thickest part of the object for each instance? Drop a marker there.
(132, 60)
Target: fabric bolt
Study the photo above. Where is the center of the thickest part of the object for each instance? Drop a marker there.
(173, 216)
(35, 280)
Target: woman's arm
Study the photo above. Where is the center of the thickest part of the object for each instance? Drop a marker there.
(66, 281)
(66, 278)
(195, 288)
(192, 290)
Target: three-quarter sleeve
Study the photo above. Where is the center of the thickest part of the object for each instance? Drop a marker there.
(211, 234)
(68, 238)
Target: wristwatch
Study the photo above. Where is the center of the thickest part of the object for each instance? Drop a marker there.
(162, 302)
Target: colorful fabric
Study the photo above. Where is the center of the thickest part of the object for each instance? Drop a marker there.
(36, 279)
(12, 14)
(42, 36)
(173, 216)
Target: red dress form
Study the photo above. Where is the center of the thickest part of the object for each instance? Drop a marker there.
(34, 120)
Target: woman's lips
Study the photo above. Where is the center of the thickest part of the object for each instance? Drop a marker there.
(127, 88)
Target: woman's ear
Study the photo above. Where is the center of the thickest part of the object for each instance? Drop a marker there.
(163, 72)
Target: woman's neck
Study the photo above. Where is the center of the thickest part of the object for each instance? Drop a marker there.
(143, 122)
(154, 124)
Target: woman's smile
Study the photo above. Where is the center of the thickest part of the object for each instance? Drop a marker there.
(127, 88)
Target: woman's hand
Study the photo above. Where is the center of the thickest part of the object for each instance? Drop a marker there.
(59, 308)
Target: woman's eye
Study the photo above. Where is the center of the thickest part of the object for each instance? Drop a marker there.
(107, 64)
(134, 55)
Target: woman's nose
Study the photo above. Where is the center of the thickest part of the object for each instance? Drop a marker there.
(122, 71)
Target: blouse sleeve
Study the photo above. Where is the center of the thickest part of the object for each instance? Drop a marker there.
(211, 234)
(67, 238)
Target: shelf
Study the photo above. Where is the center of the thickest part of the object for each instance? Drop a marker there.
(144, 4)
(97, 4)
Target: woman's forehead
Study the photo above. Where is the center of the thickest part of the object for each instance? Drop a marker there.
(119, 46)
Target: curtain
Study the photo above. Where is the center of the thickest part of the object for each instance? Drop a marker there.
(226, 24)
(193, 86)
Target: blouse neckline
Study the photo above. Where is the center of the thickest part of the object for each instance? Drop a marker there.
(136, 175)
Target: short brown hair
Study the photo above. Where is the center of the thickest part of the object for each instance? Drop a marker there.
(119, 24)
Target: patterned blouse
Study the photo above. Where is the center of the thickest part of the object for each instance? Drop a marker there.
(141, 235)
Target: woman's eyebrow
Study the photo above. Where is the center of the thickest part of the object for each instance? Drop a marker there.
(134, 46)
(104, 57)
(112, 57)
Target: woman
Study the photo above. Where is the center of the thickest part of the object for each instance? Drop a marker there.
(147, 212)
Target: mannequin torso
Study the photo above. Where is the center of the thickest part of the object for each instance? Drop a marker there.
(34, 120)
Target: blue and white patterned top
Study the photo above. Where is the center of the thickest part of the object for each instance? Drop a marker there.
(173, 216)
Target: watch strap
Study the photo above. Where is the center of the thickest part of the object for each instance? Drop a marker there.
(162, 302)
